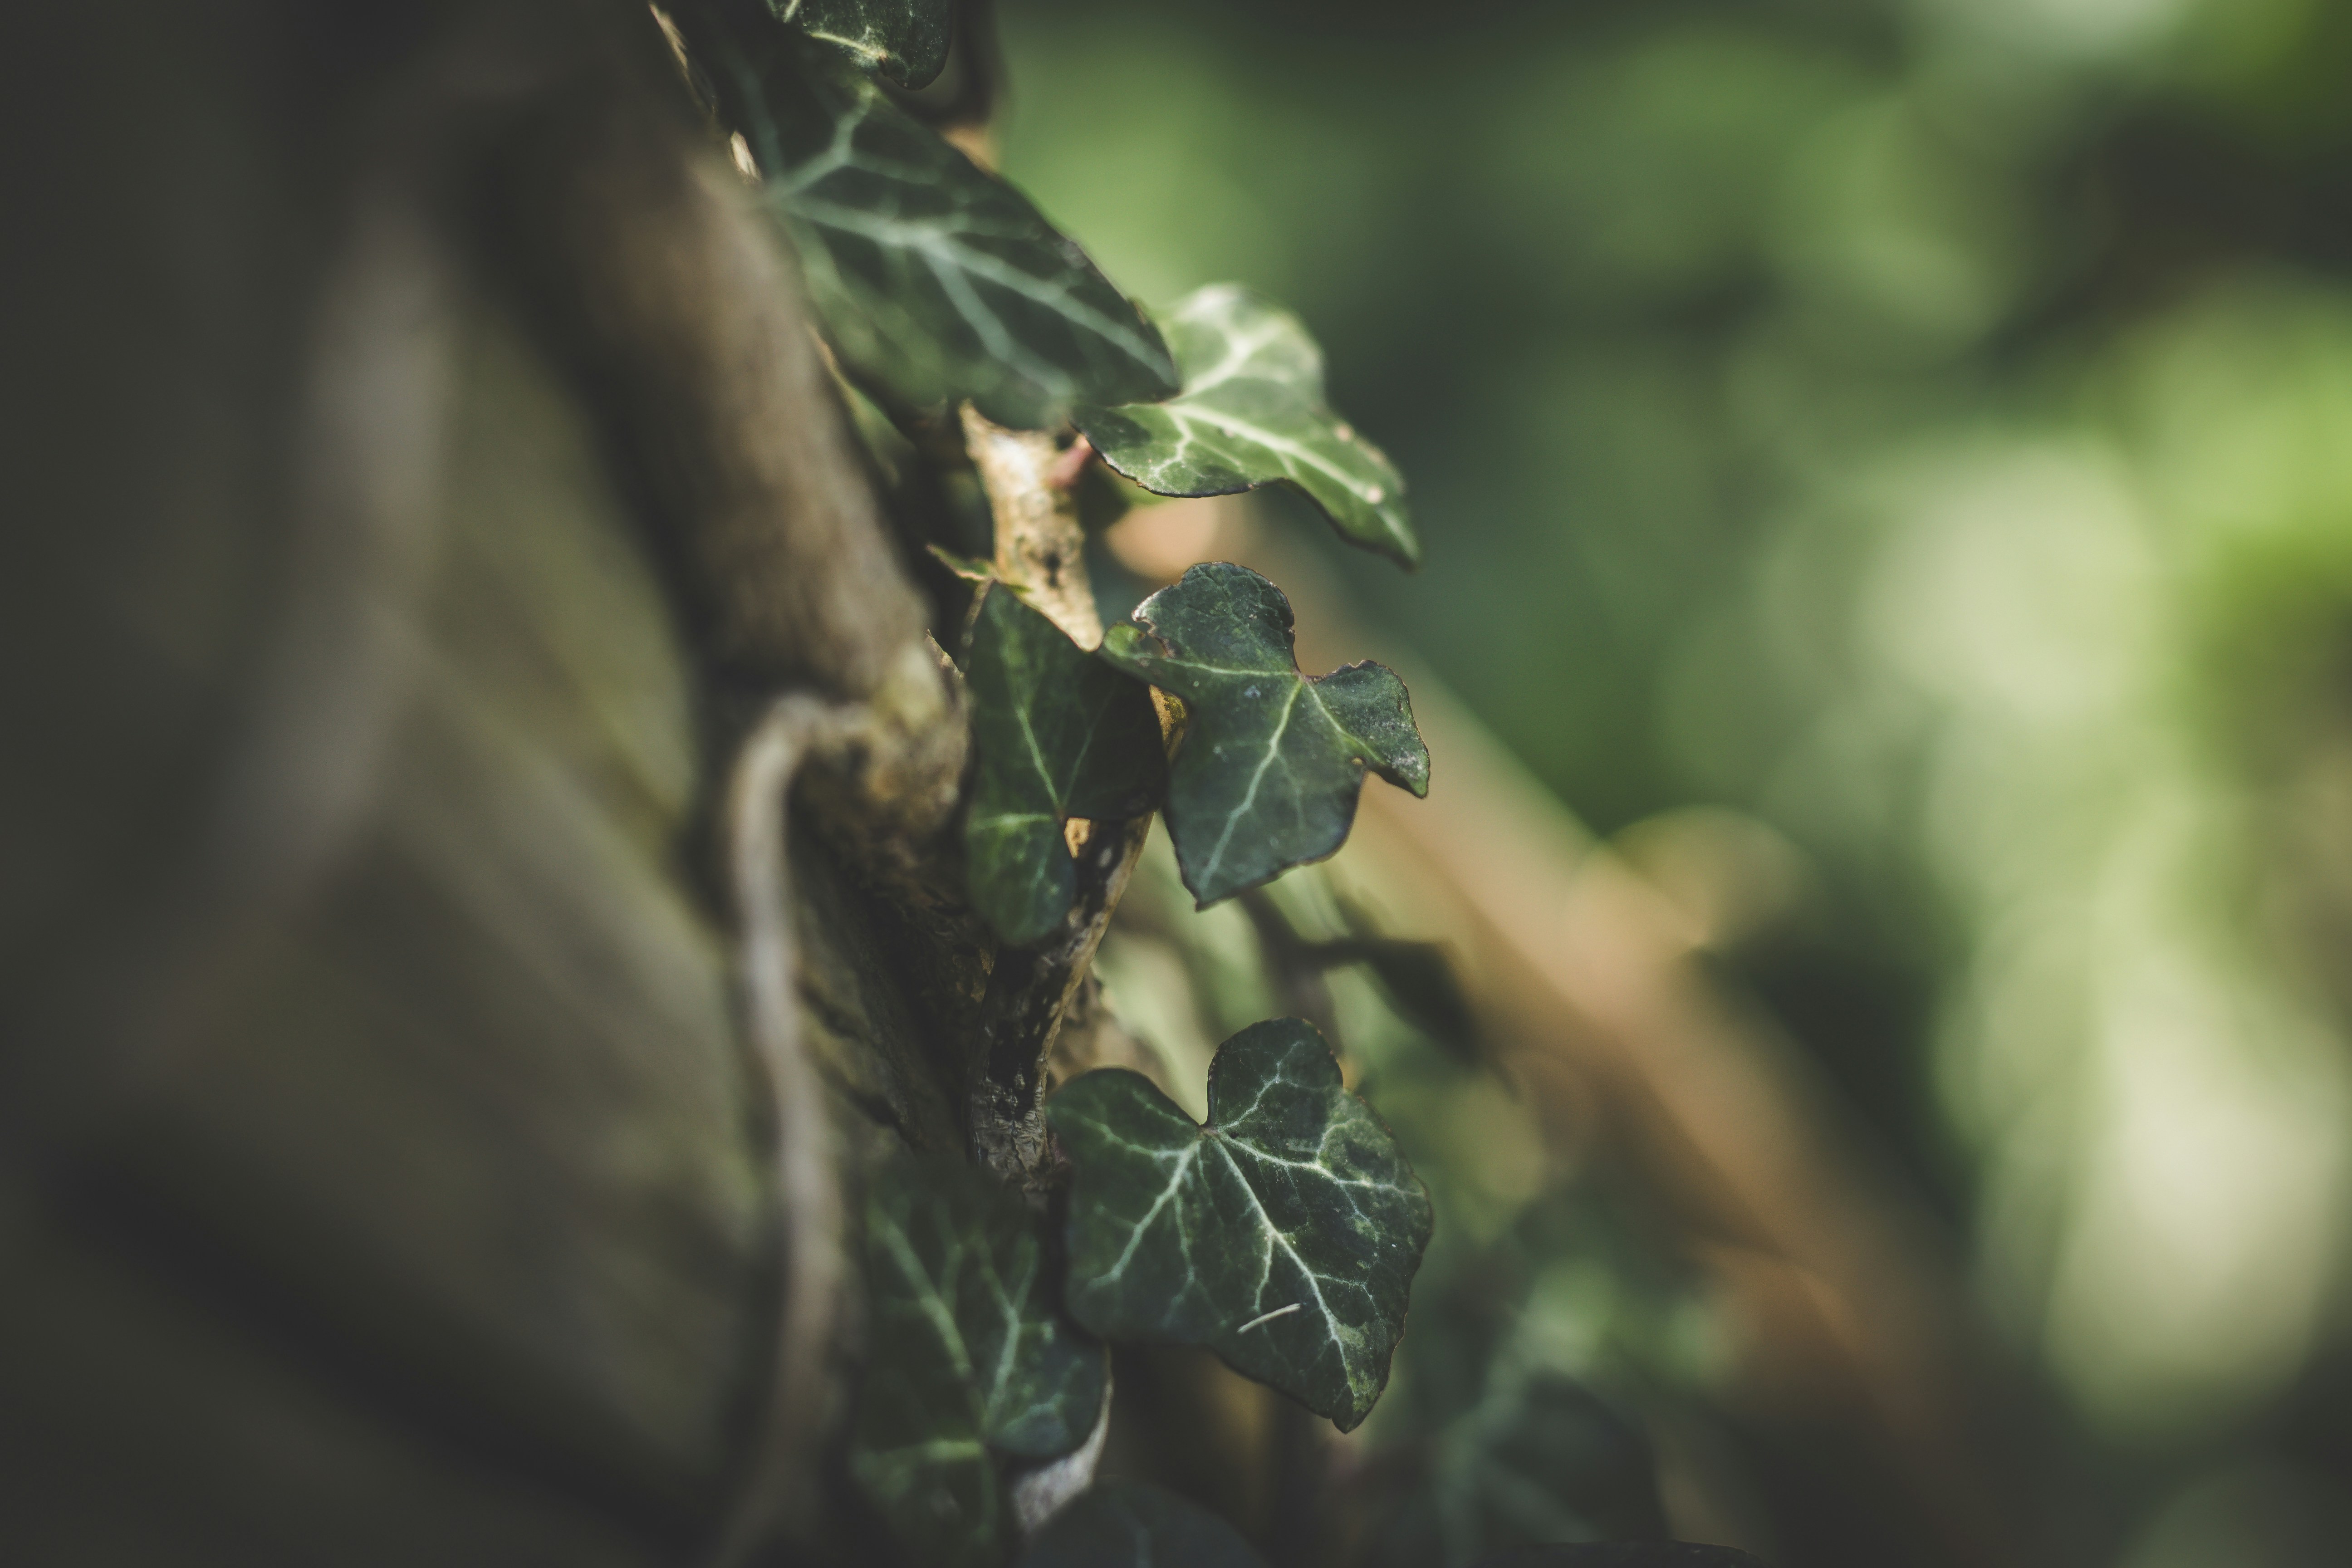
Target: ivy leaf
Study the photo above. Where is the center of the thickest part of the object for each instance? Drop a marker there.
(1621, 1554)
(1284, 1236)
(1252, 412)
(934, 281)
(905, 40)
(969, 1360)
(1061, 734)
(1272, 760)
(1129, 1524)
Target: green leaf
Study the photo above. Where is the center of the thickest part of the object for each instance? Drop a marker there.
(968, 1359)
(1250, 414)
(1060, 734)
(1284, 1236)
(1129, 1524)
(934, 281)
(905, 40)
(1271, 761)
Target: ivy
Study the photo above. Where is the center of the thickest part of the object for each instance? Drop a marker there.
(934, 281)
(1252, 412)
(1283, 1234)
(1060, 734)
(1272, 760)
(969, 1360)
(1131, 1525)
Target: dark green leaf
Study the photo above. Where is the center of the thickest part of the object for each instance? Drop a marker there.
(1128, 1524)
(968, 1359)
(1283, 1234)
(1061, 734)
(1621, 1554)
(934, 282)
(1271, 761)
(1252, 412)
(905, 40)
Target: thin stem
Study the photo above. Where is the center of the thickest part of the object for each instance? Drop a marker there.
(808, 1188)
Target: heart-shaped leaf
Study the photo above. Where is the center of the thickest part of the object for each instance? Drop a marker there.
(1284, 1236)
(1060, 734)
(968, 1359)
(1129, 1524)
(1271, 761)
(934, 281)
(905, 40)
(1621, 1554)
(1252, 412)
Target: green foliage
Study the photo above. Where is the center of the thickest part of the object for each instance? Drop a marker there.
(968, 1361)
(905, 40)
(1283, 1234)
(1132, 1525)
(1252, 412)
(1060, 734)
(935, 282)
(1273, 760)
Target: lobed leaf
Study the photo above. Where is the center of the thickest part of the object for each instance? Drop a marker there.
(905, 40)
(1272, 760)
(1283, 1234)
(1060, 734)
(934, 281)
(1130, 1524)
(1252, 412)
(969, 1360)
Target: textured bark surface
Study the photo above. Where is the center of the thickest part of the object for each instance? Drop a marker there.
(421, 470)
(649, 256)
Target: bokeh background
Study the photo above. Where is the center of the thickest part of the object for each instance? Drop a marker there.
(1895, 455)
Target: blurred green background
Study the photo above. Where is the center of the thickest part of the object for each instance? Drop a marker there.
(1924, 426)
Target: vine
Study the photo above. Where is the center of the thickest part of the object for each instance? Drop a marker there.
(976, 344)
